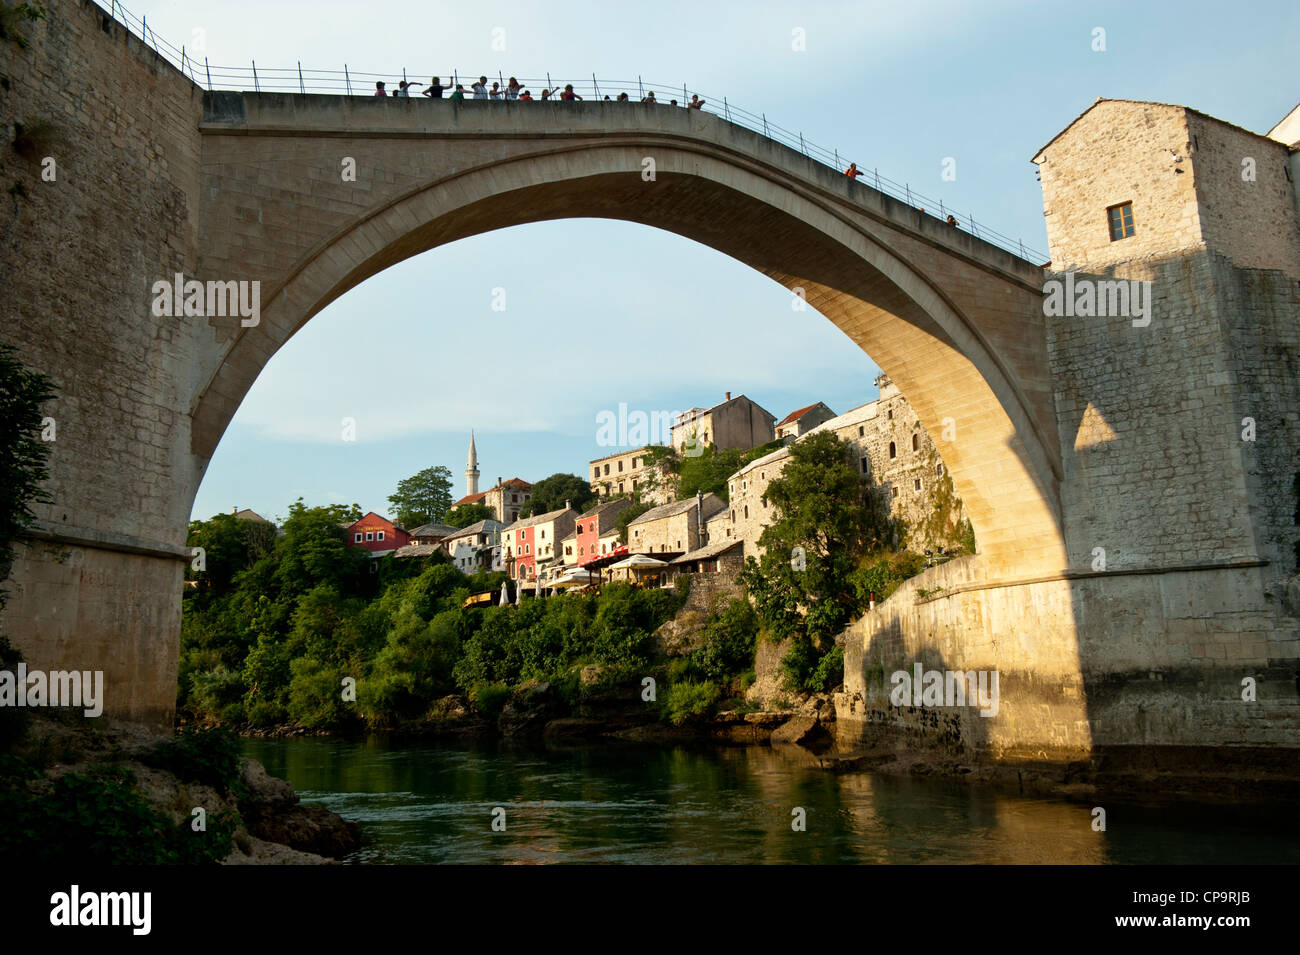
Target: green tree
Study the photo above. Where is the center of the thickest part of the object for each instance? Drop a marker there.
(549, 494)
(23, 454)
(467, 514)
(424, 498)
(314, 550)
(826, 517)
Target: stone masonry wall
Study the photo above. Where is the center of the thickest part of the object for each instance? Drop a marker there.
(77, 262)
(1149, 427)
(1251, 221)
(1119, 152)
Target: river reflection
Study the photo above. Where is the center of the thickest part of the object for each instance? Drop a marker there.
(641, 804)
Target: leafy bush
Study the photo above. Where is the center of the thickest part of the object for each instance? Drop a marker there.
(210, 757)
(212, 691)
(490, 698)
(316, 695)
(687, 701)
(264, 715)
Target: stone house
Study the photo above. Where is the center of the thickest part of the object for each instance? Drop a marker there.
(673, 529)
(803, 420)
(628, 473)
(732, 423)
(505, 499)
(889, 446)
(477, 547)
(1135, 180)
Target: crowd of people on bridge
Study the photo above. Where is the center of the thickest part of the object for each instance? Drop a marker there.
(513, 90)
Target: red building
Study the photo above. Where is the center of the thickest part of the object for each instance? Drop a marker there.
(377, 534)
(593, 525)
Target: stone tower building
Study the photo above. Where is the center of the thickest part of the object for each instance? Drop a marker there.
(471, 470)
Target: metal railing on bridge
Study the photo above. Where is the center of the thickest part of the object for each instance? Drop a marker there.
(347, 82)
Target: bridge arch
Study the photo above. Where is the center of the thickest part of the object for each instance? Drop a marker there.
(912, 317)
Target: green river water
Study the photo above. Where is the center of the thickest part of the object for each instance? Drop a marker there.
(427, 803)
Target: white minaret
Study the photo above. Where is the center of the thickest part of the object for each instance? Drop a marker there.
(471, 472)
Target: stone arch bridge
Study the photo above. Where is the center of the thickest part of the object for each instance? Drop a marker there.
(162, 178)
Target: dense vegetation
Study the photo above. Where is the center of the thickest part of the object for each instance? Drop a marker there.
(272, 641)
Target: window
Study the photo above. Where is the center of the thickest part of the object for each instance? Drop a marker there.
(620, 487)
(746, 512)
(528, 548)
(635, 462)
(591, 527)
(356, 538)
(861, 431)
(607, 468)
(514, 498)
(1121, 221)
(916, 484)
(938, 470)
(634, 484)
(893, 451)
(543, 534)
(866, 465)
(620, 465)
(595, 472)
(916, 442)
(379, 535)
(895, 492)
(579, 530)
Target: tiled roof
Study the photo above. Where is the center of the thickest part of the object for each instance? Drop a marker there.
(484, 526)
(796, 415)
(712, 504)
(708, 550)
(538, 518)
(434, 530)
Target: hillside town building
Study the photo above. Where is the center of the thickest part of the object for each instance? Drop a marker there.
(530, 546)
(803, 420)
(376, 534)
(629, 473)
(732, 423)
(505, 499)
(671, 530)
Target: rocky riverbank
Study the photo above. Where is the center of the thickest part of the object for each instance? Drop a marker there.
(257, 816)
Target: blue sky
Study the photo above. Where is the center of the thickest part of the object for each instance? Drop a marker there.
(898, 86)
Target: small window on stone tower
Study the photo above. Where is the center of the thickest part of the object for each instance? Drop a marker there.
(916, 442)
(1121, 221)
(893, 450)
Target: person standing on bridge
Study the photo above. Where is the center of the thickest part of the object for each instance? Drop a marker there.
(568, 95)
(526, 96)
(696, 102)
(512, 89)
(379, 89)
(480, 88)
(434, 89)
(495, 93)
(459, 93)
(650, 98)
(853, 171)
